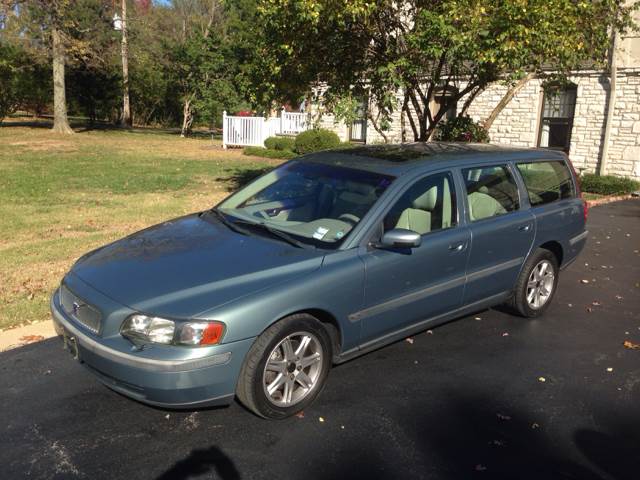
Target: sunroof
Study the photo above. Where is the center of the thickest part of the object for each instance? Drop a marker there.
(414, 151)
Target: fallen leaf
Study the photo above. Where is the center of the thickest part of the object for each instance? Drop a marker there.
(321, 420)
(478, 318)
(300, 414)
(31, 338)
(631, 345)
(167, 416)
(609, 369)
(584, 280)
(619, 297)
(409, 340)
(505, 334)
(570, 305)
(542, 379)
(341, 427)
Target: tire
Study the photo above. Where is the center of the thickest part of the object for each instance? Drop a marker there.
(295, 374)
(532, 286)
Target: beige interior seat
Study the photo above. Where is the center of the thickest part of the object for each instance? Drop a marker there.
(356, 200)
(482, 206)
(418, 218)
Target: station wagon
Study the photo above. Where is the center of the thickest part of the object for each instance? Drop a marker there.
(326, 257)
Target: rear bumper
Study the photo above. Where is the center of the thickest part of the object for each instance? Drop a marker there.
(185, 383)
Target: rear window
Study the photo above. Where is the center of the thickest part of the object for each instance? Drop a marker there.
(547, 182)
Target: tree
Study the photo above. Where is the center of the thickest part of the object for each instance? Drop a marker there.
(126, 108)
(435, 52)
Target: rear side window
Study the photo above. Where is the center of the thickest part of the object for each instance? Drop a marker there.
(547, 182)
(491, 191)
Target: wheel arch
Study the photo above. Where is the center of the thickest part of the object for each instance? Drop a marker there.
(555, 248)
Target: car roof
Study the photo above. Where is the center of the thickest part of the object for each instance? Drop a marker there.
(398, 159)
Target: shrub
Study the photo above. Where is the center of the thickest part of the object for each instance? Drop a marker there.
(316, 140)
(608, 184)
(269, 153)
(462, 129)
(280, 143)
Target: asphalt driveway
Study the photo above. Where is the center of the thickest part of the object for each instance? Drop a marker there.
(489, 396)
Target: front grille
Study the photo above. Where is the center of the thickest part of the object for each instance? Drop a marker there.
(85, 314)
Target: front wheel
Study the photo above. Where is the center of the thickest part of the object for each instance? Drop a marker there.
(536, 284)
(286, 367)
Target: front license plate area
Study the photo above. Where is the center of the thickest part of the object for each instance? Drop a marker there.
(70, 344)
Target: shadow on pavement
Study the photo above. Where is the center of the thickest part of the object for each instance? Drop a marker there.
(201, 462)
(476, 437)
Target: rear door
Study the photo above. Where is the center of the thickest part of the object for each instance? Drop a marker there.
(405, 286)
(555, 204)
(501, 231)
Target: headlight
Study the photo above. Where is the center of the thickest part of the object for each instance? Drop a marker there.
(143, 328)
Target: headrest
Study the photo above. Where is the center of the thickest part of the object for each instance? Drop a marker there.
(427, 201)
(359, 188)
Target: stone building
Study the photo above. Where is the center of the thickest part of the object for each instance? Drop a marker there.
(573, 118)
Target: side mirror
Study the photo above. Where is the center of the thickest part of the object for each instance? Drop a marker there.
(400, 238)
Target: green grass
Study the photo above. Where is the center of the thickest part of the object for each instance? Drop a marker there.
(61, 196)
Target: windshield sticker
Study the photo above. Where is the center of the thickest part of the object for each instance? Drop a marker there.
(339, 235)
(320, 233)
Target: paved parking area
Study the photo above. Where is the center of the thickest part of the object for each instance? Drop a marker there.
(489, 396)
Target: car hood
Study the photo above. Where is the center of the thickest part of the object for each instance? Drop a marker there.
(186, 266)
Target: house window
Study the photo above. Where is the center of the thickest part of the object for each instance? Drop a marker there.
(441, 97)
(557, 118)
(358, 128)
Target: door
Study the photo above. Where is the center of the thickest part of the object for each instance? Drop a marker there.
(403, 287)
(501, 233)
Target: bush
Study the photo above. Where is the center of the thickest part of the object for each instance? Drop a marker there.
(462, 129)
(608, 184)
(316, 140)
(269, 153)
(280, 143)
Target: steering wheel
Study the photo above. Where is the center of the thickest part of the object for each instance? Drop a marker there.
(349, 218)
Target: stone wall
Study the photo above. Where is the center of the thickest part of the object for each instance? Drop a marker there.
(518, 124)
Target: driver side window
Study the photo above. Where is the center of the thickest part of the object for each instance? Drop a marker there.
(427, 206)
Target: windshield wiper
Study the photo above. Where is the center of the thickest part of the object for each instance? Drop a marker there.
(222, 217)
(276, 233)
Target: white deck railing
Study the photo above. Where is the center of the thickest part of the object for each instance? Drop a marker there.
(253, 131)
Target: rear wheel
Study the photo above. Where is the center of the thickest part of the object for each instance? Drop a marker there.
(536, 284)
(286, 367)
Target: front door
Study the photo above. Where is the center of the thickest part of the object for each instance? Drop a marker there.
(501, 233)
(403, 287)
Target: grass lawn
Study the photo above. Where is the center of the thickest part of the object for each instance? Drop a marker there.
(61, 196)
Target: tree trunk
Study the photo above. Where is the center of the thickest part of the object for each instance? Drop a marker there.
(376, 127)
(60, 121)
(126, 108)
(506, 99)
(187, 118)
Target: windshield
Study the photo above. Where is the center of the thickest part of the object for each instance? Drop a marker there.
(316, 203)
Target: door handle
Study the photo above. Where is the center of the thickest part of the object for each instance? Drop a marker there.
(525, 228)
(456, 247)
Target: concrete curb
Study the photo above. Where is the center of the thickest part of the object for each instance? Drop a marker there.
(21, 336)
(609, 199)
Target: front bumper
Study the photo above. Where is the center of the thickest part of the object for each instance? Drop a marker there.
(176, 383)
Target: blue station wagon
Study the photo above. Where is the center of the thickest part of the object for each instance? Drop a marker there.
(324, 258)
